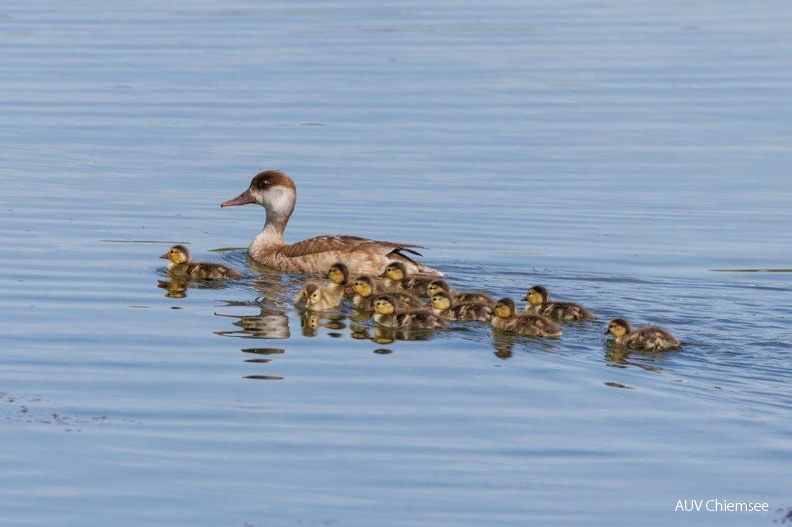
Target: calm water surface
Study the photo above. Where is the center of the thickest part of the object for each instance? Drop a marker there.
(615, 152)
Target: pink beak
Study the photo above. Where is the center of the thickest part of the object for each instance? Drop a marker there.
(243, 199)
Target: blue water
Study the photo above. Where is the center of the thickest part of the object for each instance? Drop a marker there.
(618, 153)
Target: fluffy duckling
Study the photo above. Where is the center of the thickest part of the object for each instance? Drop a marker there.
(366, 288)
(181, 265)
(506, 319)
(650, 338)
(386, 314)
(443, 306)
(566, 311)
(436, 286)
(338, 274)
(316, 296)
(397, 278)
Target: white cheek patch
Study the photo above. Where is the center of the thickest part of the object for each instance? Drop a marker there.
(280, 200)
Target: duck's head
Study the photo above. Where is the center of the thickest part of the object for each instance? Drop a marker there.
(312, 294)
(505, 308)
(384, 304)
(177, 254)
(272, 189)
(537, 295)
(396, 271)
(436, 286)
(618, 327)
(338, 273)
(440, 300)
(363, 285)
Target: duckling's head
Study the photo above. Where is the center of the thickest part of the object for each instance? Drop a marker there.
(312, 294)
(177, 254)
(273, 190)
(435, 286)
(505, 308)
(537, 295)
(338, 273)
(396, 271)
(618, 327)
(441, 300)
(384, 304)
(363, 285)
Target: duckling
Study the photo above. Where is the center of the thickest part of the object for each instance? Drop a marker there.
(386, 314)
(444, 306)
(338, 274)
(477, 297)
(398, 279)
(366, 288)
(181, 265)
(506, 319)
(567, 311)
(650, 338)
(316, 296)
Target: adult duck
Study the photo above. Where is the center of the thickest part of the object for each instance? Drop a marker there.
(276, 192)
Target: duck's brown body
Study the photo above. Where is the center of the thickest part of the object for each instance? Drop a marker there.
(276, 192)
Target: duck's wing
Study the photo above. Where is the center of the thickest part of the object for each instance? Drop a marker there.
(336, 246)
(345, 243)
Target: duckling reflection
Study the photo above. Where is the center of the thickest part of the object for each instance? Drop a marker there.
(385, 335)
(180, 264)
(538, 304)
(175, 287)
(262, 354)
(269, 324)
(504, 345)
(619, 356)
(311, 321)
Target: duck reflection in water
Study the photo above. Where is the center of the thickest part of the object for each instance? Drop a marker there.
(268, 324)
(311, 321)
(619, 356)
(177, 286)
(385, 335)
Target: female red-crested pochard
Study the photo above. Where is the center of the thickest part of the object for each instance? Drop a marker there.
(276, 192)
